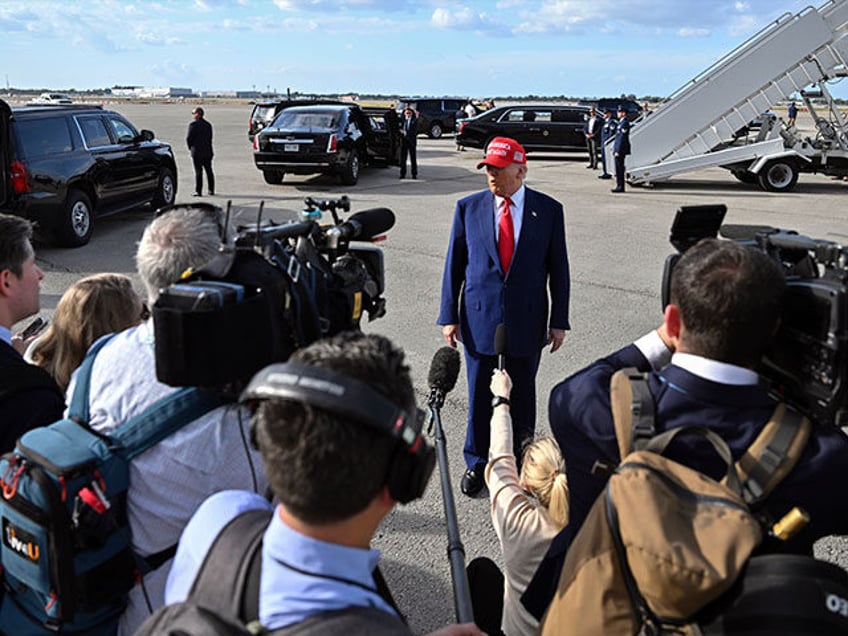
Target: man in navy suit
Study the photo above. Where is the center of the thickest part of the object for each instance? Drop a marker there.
(506, 250)
(621, 148)
(28, 395)
(724, 310)
(409, 142)
(592, 130)
(199, 141)
(607, 132)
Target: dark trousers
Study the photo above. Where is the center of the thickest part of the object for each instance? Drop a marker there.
(479, 369)
(202, 164)
(619, 172)
(408, 148)
(592, 145)
(486, 583)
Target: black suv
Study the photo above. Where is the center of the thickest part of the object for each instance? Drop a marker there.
(436, 116)
(63, 166)
(328, 139)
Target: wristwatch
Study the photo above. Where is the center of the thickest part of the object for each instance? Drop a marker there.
(498, 400)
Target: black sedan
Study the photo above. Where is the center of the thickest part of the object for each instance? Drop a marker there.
(543, 128)
(328, 139)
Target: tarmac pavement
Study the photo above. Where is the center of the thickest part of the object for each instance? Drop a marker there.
(617, 245)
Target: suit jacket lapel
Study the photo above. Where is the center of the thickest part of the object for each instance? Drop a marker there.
(485, 221)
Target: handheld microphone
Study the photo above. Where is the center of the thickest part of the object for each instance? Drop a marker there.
(500, 344)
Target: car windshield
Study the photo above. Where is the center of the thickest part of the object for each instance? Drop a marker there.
(311, 120)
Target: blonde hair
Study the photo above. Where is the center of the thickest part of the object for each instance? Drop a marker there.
(543, 474)
(91, 307)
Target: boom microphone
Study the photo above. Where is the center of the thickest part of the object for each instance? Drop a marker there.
(500, 344)
(444, 370)
(367, 224)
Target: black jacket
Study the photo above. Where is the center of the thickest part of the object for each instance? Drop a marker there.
(29, 397)
(199, 139)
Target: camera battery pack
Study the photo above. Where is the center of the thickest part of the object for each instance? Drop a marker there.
(201, 295)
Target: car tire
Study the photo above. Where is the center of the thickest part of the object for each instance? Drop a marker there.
(77, 223)
(274, 177)
(779, 175)
(350, 172)
(166, 190)
(435, 131)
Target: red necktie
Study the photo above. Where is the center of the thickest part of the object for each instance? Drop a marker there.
(506, 236)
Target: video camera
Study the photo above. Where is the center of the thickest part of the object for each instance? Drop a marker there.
(272, 289)
(806, 366)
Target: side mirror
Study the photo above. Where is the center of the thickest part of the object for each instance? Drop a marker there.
(147, 135)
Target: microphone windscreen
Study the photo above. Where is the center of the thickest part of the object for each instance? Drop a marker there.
(373, 222)
(500, 340)
(444, 369)
(745, 232)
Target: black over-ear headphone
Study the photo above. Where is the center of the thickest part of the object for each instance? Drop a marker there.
(211, 210)
(413, 458)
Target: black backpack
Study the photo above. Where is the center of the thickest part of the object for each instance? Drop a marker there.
(224, 598)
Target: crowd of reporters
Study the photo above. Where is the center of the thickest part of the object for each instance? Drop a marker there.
(317, 560)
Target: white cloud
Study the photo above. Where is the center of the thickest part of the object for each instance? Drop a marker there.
(690, 32)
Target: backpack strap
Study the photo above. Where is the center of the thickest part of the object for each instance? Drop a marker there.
(632, 410)
(773, 454)
(78, 409)
(162, 419)
(221, 586)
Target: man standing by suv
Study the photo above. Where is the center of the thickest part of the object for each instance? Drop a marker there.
(409, 142)
(28, 396)
(199, 140)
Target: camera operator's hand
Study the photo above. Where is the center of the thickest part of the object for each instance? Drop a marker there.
(451, 334)
(501, 384)
(465, 629)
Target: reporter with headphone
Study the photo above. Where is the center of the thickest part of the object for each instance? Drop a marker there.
(342, 443)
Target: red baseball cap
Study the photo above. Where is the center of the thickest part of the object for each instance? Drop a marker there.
(502, 152)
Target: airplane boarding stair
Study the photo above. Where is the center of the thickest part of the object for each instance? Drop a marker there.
(695, 128)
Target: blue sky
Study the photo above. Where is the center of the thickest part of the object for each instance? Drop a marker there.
(473, 48)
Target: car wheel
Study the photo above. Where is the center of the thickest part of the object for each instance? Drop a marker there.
(779, 175)
(78, 222)
(166, 192)
(274, 177)
(350, 172)
(744, 176)
(435, 130)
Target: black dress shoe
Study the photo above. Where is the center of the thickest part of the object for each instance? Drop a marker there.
(197, 194)
(472, 482)
(617, 190)
(604, 176)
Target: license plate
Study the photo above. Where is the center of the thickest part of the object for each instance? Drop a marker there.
(291, 147)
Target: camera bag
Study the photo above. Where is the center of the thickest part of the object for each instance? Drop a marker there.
(66, 553)
(663, 540)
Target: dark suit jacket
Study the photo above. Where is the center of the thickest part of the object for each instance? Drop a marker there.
(27, 408)
(595, 129)
(622, 137)
(478, 296)
(199, 139)
(410, 133)
(608, 127)
(581, 421)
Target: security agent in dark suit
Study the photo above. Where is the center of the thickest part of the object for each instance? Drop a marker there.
(28, 395)
(621, 148)
(409, 142)
(199, 141)
(608, 127)
(493, 278)
(724, 310)
(592, 131)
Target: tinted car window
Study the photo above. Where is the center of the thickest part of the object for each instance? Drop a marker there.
(40, 137)
(570, 116)
(312, 120)
(94, 132)
(124, 133)
(453, 104)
